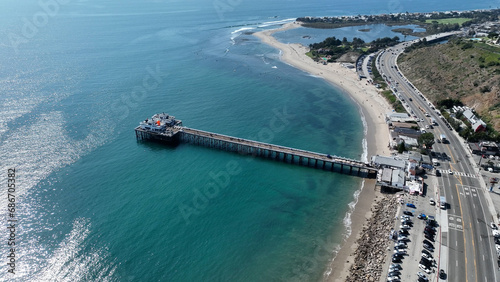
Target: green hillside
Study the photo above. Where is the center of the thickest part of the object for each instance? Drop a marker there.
(460, 69)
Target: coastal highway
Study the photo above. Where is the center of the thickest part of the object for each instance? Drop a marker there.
(466, 236)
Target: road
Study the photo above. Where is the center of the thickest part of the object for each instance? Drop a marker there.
(466, 236)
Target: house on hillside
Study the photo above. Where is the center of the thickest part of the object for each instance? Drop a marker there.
(476, 123)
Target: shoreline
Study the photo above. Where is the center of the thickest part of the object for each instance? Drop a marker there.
(372, 106)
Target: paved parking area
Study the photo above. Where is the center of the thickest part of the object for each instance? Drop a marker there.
(410, 261)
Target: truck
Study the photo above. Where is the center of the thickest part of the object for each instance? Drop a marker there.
(442, 202)
(442, 137)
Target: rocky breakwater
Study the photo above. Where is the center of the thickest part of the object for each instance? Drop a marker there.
(373, 241)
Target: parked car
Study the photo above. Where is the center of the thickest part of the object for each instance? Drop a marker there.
(394, 273)
(429, 237)
(442, 275)
(395, 266)
(408, 213)
(404, 232)
(425, 268)
(493, 226)
(393, 278)
(396, 259)
(429, 248)
(410, 205)
(426, 256)
(421, 275)
(427, 253)
(422, 216)
(428, 242)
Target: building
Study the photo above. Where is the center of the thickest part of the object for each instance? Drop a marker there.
(476, 123)
(388, 162)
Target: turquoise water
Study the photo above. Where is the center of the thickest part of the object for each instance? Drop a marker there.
(96, 205)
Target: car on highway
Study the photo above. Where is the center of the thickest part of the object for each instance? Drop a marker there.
(410, 205)
(438, 173)
(408, 213)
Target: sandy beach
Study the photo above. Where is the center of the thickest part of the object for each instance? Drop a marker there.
(373, 107)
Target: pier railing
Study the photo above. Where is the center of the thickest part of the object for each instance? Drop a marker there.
(264, 150)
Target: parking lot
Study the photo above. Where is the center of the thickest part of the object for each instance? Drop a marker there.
(411, 245)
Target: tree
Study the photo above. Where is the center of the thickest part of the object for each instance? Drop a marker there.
(401, 147)
(426, 139)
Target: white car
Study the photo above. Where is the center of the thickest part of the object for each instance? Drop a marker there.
(432, 202)
(496, 233)
(424, 255)
(393, 278)
(424, 268)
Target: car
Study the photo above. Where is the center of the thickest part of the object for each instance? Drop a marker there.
(438, 173)
(394, 273)
(429, 233)
(497, 240)
(430, 228)
(424, 268)
(407, 217)
(404, 226)
(393, 278)
(424, 255)
(428, 243)
(442, 275)
(400, 244)
(404, 232)
(493, 226)
(400, 252)
(496, 234)
(429, 248)
(427, 262)
(429, 237)
(407, 222)
(450, 172)
(422, 216)
(438, 140)
(421, 275)
(395, 266)
(411, 206)
(432, 202)
(396, 259)
(408, 213)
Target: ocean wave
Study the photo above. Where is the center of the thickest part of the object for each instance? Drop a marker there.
(242, 29)
(266, 24)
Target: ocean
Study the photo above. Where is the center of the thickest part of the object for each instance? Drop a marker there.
(93, 204)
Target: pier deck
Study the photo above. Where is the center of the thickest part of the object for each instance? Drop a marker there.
(165, 128)
(282, 153)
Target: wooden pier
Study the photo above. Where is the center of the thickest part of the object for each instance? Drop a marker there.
(183, 134)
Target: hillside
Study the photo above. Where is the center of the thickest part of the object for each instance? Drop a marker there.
(461, 69)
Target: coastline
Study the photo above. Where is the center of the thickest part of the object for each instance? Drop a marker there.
(372, 107)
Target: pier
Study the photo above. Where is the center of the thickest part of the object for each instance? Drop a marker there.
(165, 128)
